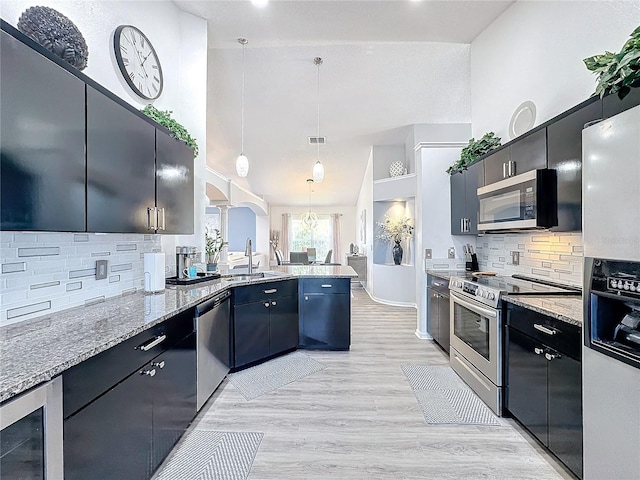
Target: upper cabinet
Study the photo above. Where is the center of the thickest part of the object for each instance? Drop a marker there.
(77, 158)
(174, 185)
(120, 168)
(41, 143)
(564, 155)
(464, 199)
(526, 153)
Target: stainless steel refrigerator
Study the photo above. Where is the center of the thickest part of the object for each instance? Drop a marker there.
(611, 347)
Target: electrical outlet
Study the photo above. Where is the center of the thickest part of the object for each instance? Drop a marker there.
(428, 253)
(101, 269)
(515, 258)
(451, 253)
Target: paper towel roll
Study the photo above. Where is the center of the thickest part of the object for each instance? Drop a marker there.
(154, 272)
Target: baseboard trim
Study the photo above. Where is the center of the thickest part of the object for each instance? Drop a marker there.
(423, 335)
(393, 304)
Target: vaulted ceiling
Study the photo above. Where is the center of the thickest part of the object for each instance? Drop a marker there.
(386, 65)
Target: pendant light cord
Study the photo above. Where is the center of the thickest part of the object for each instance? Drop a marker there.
(318, 62)
(243, 42)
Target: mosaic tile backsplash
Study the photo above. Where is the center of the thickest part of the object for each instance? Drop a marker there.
(551, 256)
(44, 272)
(547, 255)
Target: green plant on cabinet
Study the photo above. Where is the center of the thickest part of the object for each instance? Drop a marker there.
(177, 130)
(617, 72)
(474, 150)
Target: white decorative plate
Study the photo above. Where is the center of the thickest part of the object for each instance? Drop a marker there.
(396, 169)
(522, 119)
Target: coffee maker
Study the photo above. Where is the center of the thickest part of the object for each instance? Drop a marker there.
(185, 257)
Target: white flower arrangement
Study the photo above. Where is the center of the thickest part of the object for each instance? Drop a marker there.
(395, 229)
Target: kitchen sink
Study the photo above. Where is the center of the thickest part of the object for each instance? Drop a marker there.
(243, 277)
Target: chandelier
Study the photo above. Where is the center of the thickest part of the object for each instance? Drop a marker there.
(309, 219)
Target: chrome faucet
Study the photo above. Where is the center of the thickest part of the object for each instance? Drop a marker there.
(247, 253)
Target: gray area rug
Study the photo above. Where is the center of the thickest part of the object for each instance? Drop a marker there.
(207, 455)
(445, 399)
(269, 376)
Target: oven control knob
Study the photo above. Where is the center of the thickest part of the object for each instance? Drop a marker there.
(614, 284)
(491, 296)
(482, 293)
(627, 286)
(632, 287)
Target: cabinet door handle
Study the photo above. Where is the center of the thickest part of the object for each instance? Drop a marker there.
(152, 213)
(266, 304)
(543, 329)
(272, 290)
(504, 170)
(512, 168)
(538, 351)
(326, 285)
(462, 224)
(164, 225)
(551, 356)
(160, 365)
(148, 346)
(151, 373)
(273, 304)
(306, 298)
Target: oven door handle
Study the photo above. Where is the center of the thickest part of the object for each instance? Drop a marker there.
(474, 307)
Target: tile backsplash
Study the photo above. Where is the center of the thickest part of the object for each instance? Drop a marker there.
(547, 255)
(44, 272)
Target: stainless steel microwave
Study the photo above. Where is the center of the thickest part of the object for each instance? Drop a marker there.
(525, 201)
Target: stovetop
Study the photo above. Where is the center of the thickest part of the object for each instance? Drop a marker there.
(490, 289)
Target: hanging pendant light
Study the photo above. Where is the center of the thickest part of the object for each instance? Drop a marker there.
(242, 162)
(309, 219)
(318, 168)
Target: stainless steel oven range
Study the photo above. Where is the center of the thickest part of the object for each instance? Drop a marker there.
(476, 328)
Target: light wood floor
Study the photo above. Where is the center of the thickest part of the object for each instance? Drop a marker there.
(358, 418)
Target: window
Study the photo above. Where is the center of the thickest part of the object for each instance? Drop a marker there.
(320, 238)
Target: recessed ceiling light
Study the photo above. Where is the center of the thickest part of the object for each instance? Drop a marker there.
(260, 3)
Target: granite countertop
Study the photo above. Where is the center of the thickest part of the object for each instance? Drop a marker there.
(36, 350)
(565, 308)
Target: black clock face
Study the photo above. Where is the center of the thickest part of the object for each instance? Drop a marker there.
(138, 62)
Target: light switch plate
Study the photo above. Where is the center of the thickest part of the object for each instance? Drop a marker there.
(428, 253)
(451, 253)
(101, 269)
(515, 258)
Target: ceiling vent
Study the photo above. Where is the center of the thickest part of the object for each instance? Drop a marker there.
(317, 140)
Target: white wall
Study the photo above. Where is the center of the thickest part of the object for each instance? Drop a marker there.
(347, 224)
(365, 204)
(180, 40)
(534, 51)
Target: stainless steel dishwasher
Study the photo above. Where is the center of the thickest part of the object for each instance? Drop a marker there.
(213, 321)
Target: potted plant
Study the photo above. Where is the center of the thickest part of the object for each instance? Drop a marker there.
(475, 150)
(395, 230)
(213, 246)
(617, 72)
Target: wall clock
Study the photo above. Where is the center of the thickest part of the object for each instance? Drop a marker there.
(138, 62)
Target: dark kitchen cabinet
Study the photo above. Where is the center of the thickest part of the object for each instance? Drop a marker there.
(120, 167)
(265, 321)
(527, 152)
(438, 322)
(464, 199)
(42, 142)
(612, 105)
(544, 381)
(174, 185)
(325, 313)
(124, 428)
(564, 155)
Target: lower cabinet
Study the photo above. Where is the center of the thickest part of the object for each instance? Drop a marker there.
(325, 313)
(265, 321)
(128, 431)
(438, 311)
(544, 382)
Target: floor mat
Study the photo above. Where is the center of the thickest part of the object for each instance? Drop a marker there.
(445, 399)
(207, 455)
(269, 376)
